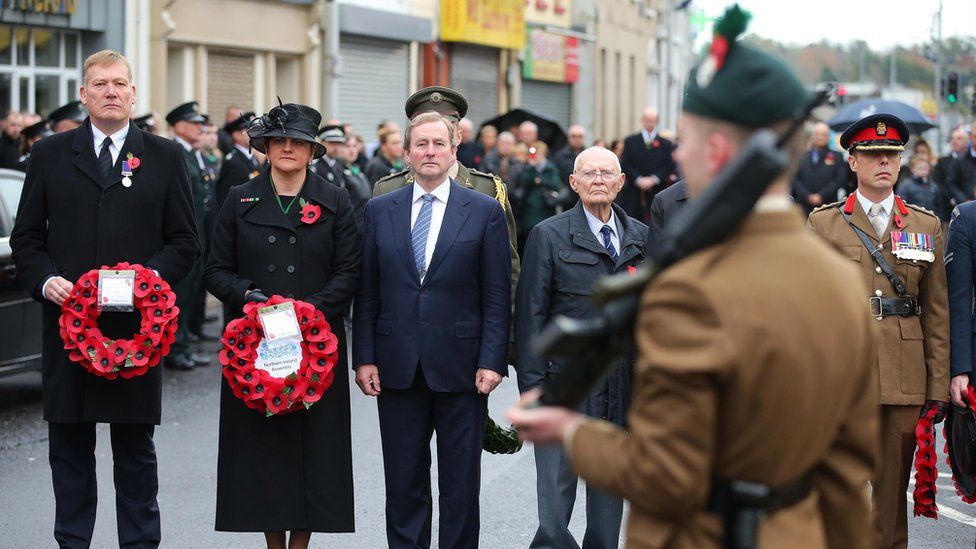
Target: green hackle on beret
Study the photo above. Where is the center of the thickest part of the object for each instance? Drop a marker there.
(737, 83)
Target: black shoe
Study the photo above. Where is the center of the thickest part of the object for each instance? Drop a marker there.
(192, 338)
(204, 336)
(199, 360)
(178, 362)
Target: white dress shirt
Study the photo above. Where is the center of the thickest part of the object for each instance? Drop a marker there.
(887, 205)
(247, 152)
(596, 225)
(438, 207)
(118, 139)
(648, 136)
(189, 148)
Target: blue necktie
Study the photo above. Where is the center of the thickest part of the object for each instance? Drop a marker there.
(606, 231)
(419, 235)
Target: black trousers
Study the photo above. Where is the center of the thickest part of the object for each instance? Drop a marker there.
(408, 418)
(72, 457)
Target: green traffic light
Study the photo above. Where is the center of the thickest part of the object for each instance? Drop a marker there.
(951, 98)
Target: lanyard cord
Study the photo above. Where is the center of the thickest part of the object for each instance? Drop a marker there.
(278, 198)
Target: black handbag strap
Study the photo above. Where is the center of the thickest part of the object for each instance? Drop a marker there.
(878, 257)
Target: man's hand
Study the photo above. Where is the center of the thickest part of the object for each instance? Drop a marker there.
(646, 182)
(814, 200)
(368, 379)
(486, 380)
(957, 387)
(256, 296)
(940, 407)
(57, 290)
(544, 424)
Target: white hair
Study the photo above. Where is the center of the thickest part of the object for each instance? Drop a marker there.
(592, 150)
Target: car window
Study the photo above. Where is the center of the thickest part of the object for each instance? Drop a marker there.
(10, 188)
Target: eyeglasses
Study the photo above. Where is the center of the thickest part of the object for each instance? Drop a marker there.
(590, 176)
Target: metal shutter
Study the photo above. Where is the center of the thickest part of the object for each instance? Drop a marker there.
(548, 99)
(374, 84)
(230, 81)
(474, 73)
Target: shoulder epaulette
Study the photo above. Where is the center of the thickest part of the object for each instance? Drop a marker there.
(483, 174)
(827, 206)
(501, 195)
(393, 175)
(921, 209)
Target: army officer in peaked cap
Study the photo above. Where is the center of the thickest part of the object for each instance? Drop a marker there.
(265, 244)
(742, 378)
(67, 117)
(907, 298)
(454, 106)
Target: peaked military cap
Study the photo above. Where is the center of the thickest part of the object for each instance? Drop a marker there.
(145, 122)
(438, 99)
(332, 134)
(188, 112)
(72, 111)
(40, 129)
(876, 132)
(239, 123)
(738, 83)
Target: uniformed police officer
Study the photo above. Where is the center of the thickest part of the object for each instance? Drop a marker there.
(240, 164)
(32, 134)
(755, 364)
(185, 120)
(454, 106)
(907, 281)
(67, 117)
(332, 167)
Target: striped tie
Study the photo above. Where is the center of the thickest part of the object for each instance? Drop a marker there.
(419, 235)
(606, 231)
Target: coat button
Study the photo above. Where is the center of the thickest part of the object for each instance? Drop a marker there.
(271, 268)
(271, 239)
(877, 293)
(877, 270)
(292, 240)
(290, 268)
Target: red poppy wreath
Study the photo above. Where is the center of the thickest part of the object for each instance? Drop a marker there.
(152, 298)
(257, 387)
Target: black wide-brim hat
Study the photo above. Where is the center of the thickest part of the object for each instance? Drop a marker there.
(290, 120)
(960, 436)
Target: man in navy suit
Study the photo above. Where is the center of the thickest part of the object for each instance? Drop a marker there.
(960, 264)
(431, 324)
(647, 163)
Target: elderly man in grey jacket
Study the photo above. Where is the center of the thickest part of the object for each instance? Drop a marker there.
(563, 257)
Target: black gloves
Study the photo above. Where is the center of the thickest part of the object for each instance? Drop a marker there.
(256, 296)
(941, 409)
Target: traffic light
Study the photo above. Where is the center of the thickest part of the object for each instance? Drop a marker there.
(951, 87)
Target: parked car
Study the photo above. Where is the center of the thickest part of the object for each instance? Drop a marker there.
(20, 315)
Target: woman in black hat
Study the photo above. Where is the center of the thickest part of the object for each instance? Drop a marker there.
(290, 472)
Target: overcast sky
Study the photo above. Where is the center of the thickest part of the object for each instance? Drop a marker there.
(881, 23)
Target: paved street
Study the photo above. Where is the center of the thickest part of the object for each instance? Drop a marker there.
(187, 449)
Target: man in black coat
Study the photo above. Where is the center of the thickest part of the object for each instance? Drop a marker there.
(78, 214)
(564, 255)
(958, 143)
(821, 172)
(10, 140)
(647, 163)
(961, 176)
(665, 205)
(332, 168)
(240, 164)
(388, 158)
(566, 156)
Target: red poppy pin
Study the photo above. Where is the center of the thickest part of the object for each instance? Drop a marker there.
(133, 161)
(656, 144)
(311, 213)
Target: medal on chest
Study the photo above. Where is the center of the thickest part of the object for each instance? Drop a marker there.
(914, 246)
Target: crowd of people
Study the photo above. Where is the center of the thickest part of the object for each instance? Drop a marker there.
(447, 249)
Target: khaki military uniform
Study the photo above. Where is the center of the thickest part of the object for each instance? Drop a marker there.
(913, 351)
(484, 183)
(757, 364)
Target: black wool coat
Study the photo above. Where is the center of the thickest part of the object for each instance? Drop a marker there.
(304, 457)
(640, 160)
(70, 221)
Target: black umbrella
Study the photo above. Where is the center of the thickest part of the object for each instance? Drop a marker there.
(549, 131)
(849, 114)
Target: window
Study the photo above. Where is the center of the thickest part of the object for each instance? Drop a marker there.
(39, 68)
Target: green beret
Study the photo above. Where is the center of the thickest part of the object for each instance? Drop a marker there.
(739, 84)
(439, 99)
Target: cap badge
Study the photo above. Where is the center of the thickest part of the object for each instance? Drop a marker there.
(436, 98)
(882, 128)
